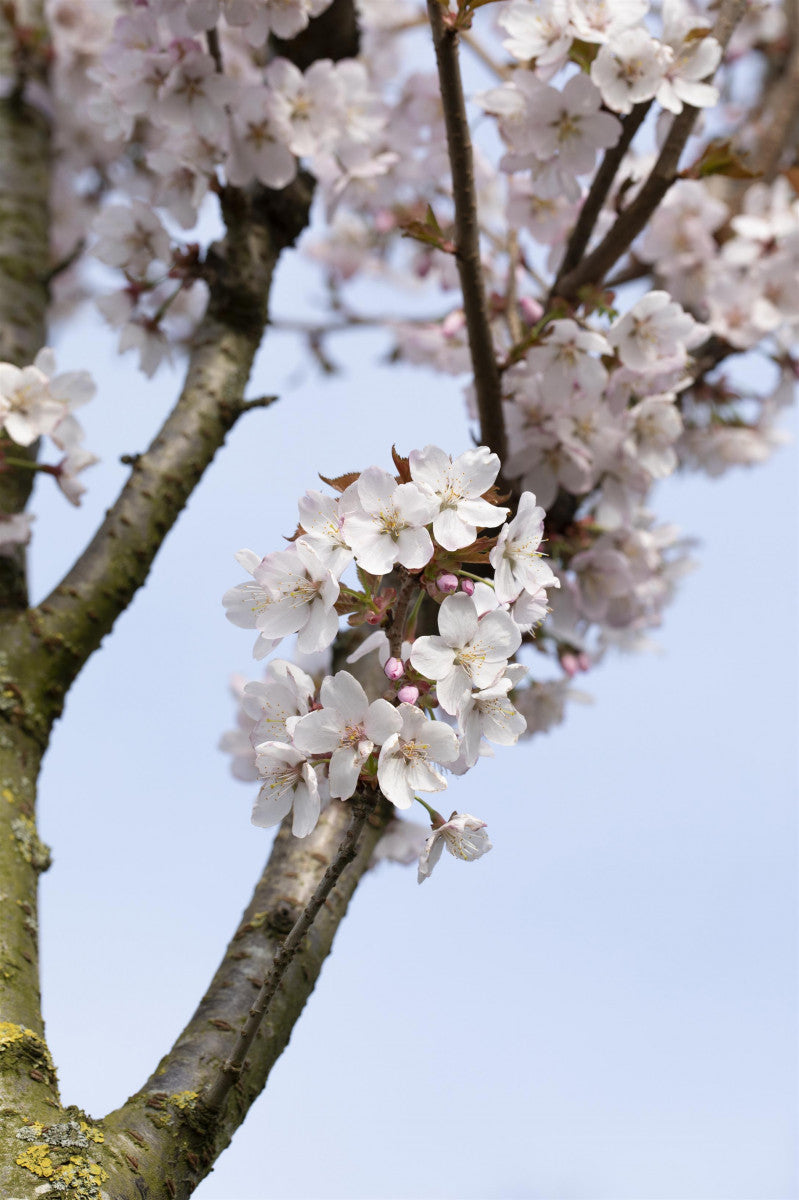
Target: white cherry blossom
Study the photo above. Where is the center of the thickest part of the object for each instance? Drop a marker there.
(489, 713)
(288, 780)
(348, 728)
(404, 766)
(516, 559)
(385, 523)
(456, 485)
(629, 69)
(467, 652)
(302, 593)
(464, 837)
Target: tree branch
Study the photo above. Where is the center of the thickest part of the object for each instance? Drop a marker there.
(632, 220)
(487, 379)
(600, 186)
(165, 1127)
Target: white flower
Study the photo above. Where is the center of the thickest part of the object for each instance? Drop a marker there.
(564, 359)
(456, 485)
(603, 20)
(348, 727)
(288, 780)
(490, 714)
(404, 764)
(516, 558)
(272, 703)
(655, 334)
(302, 594)
(629, 69)
(463, 837)
(257, 148)
(468, 653)
(322, 520)
(541, 31)
(694, 57)
(131, 237)
(385, 524)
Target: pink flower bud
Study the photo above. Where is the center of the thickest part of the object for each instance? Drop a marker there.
(467, 586)
(394, 669)
(583, 661)
(408, 694)
(570, 664)
(447, 582)
(531, 310)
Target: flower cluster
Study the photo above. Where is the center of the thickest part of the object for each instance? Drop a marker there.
(35, 402)
(411, 537)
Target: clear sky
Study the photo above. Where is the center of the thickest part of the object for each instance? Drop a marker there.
(603, 1008)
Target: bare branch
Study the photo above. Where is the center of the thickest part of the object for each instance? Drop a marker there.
(180, 1137)
(487, 380)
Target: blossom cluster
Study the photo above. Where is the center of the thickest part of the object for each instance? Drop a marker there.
(445, 692)
(36, 402)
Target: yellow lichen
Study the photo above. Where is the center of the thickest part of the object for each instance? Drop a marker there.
(185, 1100)
(32, 848)
(37, 1160)
(8, 795)
(92, 1132)
(10, 1033)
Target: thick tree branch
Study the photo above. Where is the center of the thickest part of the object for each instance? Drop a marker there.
(24, 264)
(632, 220)
(778, 126)
(164, 1128)
(487, 379)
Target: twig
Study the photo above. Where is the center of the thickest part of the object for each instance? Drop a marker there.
(632, 220)
(399, 612)
(217, 1093)
(214, 48)
(258, 402)
(601, 185)
(487, 382)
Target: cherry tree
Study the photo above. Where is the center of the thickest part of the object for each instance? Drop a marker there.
(600, 237)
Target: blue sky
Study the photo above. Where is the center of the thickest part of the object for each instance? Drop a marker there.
(603, 1008)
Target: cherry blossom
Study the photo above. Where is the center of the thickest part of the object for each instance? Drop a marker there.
(516, 558)
(456, 485)
(467, 652)
(289, 781)
(463, 837)
(385, 523)
(348, 727)
(404, 765)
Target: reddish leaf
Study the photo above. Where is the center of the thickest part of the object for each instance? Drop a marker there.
(341, 482)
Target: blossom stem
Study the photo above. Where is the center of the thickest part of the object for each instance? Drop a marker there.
(435, 817)
(217, 1093)
(487, 381)
(476, 578)
(396, 630)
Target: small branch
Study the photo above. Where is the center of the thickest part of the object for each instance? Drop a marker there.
(487, 381)
(399, 612)
(214, 49)
(597, 194)
(216, 1095)
(633, 219)
(258, 402)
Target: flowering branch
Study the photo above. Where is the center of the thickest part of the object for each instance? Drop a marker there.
(632, 220)
(601, 185)
(487, 380)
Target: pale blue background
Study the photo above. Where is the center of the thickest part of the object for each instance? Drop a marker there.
(603, 1008)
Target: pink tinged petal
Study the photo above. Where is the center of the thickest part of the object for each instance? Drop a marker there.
(271, 806)
(392, 775)
(429, 857)
(499, 635)
(414, 548)
(432, 657)
(317, 733)
(343, 692)
(455, 687)
(429, 467)
(442, 742)
(450, 531)
(345, 767)
(376, 489)
(457, 620)
(320, 630)
(477, 470)
(306, 803)
(382, 721)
